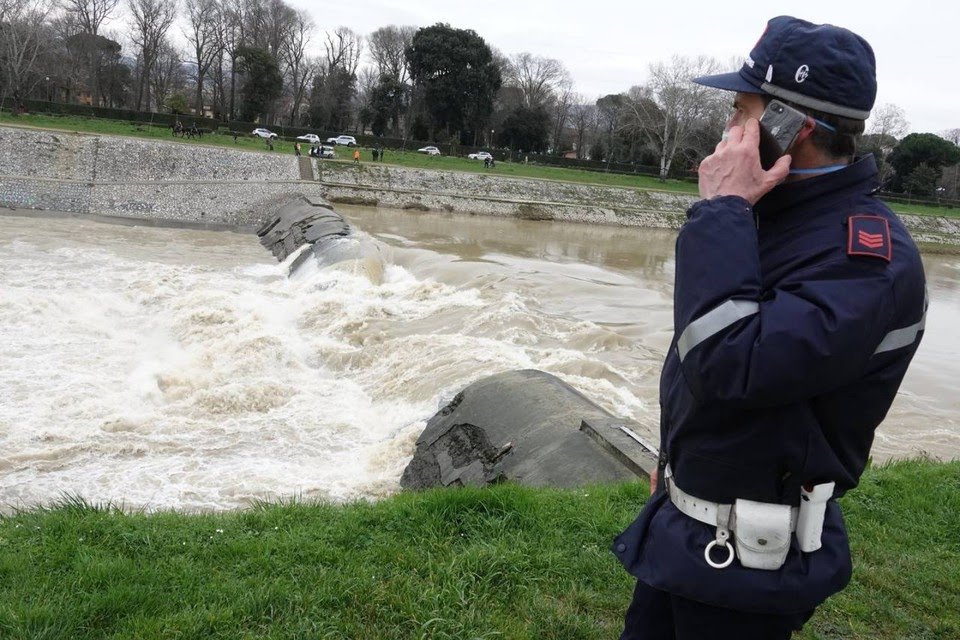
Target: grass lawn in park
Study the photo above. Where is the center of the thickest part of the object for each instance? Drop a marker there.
(401, 158)
(497, 562)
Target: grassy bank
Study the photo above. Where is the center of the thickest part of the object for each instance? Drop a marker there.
(400, 158)
(500, 563)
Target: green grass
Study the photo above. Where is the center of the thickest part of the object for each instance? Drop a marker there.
(119, 128)
(399, 158)
(521, 170)
(505, 562)
(925, 210)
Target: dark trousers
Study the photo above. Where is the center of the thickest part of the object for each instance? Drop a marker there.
(658, 615)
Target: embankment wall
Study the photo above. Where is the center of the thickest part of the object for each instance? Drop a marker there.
(195, 183)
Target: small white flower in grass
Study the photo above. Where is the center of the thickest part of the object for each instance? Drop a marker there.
(219, 530)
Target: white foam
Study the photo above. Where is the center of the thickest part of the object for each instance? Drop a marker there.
(172, 369)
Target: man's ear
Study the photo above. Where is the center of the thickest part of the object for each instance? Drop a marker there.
(805, 132)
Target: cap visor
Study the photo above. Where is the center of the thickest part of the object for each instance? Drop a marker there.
(732, 81)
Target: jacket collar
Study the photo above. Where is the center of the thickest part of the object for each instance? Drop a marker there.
(860, 175)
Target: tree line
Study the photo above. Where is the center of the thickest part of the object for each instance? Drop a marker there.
(252, 61)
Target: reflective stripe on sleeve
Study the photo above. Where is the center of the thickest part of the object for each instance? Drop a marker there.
(713, 322)
(899, 338)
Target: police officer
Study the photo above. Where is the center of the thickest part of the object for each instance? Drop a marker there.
(799, 303)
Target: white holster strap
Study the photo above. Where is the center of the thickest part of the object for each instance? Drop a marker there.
(760, 530)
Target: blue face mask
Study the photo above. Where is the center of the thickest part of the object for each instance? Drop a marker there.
(814, 170)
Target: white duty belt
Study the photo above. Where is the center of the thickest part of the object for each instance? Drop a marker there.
(721, 516)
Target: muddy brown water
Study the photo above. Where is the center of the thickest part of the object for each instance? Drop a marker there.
(171, 368)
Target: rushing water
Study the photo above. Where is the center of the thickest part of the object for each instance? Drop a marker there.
(165, 368)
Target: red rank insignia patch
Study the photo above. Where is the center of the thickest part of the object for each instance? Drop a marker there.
(869, 236)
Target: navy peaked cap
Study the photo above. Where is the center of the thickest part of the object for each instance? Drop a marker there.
(819, 66)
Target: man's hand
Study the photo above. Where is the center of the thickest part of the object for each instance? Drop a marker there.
(654, 477)
(734, 167)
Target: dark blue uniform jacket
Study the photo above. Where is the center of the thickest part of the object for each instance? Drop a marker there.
(794, 322)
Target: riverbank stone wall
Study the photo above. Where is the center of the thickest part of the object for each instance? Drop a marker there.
(179, 182)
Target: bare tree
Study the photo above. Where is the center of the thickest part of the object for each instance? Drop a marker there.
(280, 21)
(167, 75)
(298, 68)
(232, 35)
(387, 46)
(889, 120)
(343, 48)
(150, 21)
(887, 125)
(536, 77)
(23, 37)
(203, 35)
(608, 120)
(367, 80)
(90, 14)
(953, 135)
(560, 112)
(581, 117)
(667, 113)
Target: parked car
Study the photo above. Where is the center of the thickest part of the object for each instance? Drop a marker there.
(321, 151)
(480, 155)
(349, 141)
(260, 132)
(430, 151)
(312, 138)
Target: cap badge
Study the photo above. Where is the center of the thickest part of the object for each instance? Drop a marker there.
(802, 72)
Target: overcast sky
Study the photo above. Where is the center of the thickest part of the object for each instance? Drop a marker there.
(607, 45)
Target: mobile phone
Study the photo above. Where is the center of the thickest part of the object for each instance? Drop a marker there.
(779, 126)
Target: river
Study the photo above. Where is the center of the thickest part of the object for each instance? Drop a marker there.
(163, 368)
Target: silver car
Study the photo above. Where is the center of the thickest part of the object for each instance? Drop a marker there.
(349, 141)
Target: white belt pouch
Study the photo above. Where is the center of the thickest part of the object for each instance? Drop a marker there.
(762, 533)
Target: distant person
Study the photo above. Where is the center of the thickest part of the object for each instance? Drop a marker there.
(18, 109)
(269, 142)
(356, 156)
(234, 137)
(493, 162)
(486, 163)
(381, 154)
(375, 154)
(296, 149)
